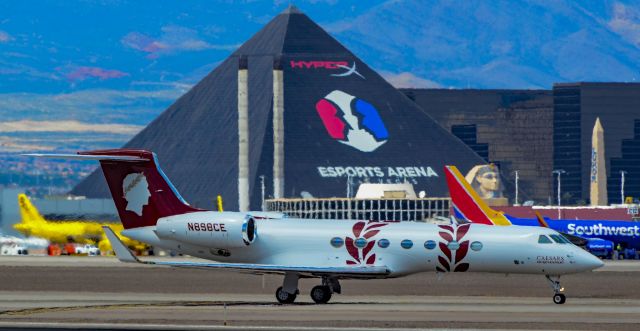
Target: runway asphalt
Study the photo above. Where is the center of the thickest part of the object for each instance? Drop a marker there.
(102, 293)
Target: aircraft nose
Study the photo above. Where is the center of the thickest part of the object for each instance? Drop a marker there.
(588, 261)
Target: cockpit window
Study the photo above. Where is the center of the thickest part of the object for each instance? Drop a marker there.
(558, 238)
(544, 239)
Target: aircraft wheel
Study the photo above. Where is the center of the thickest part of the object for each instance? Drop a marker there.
(321, 294)
(284, 297)
(559, 298)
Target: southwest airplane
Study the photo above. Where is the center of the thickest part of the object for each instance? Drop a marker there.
(152, 211)
(468, 205)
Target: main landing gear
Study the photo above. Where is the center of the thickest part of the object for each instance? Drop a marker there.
(558, 297)
(288, 292)
(322, 293)
(285, 297)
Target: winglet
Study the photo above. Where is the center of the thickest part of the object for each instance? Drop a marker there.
(122, 252)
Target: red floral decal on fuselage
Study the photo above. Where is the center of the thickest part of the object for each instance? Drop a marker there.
(451, 259)
(365, 231)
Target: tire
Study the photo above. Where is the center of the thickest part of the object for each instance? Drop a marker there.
(321, 294)
(559, 298)
(284, 297)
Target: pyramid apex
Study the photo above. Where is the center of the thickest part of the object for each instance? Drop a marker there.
(292, 10)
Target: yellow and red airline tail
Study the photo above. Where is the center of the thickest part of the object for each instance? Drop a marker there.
(468, 204)
(541, 220)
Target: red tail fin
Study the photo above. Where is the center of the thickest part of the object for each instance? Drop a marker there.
(141, 191)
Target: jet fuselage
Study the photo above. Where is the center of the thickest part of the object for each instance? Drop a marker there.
(403, 247)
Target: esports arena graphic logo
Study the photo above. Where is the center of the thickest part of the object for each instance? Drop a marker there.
(352, 121)
(329, 65)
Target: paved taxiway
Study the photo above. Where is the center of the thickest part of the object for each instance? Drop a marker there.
(101, 292)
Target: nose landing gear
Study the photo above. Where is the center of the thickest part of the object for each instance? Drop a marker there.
(558, 297)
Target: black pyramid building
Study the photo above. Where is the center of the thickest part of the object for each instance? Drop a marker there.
(338, 121)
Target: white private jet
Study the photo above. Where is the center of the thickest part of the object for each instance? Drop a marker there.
(152, 211)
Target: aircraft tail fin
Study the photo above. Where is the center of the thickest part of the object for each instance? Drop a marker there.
(141, 191)
(541, 221)
(467, 203)
(28, 211)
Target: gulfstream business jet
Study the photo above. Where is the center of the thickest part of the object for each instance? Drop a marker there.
(152, 211)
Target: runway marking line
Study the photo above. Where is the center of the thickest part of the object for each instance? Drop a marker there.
(31, 311)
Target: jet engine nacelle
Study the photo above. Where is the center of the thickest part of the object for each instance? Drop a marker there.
(216, 231)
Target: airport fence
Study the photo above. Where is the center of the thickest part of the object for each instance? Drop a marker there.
(363, 209)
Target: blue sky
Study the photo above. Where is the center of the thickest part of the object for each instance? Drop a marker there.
(95, 63)
(123, 62)
(56, 46)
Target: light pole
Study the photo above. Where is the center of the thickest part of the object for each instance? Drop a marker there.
(559, 172)
(622, 173)
(516, 202)
(262, 187)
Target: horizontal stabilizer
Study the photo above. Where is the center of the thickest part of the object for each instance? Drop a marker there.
(122, 252)
(126, 158)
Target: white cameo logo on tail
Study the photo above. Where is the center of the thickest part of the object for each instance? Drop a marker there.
(136, 192)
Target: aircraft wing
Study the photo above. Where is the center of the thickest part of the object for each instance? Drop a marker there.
(125, 255)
